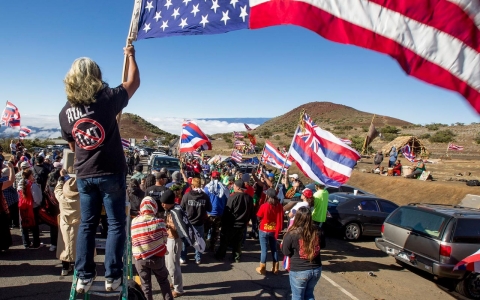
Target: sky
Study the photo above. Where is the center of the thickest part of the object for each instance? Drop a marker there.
(246, 73)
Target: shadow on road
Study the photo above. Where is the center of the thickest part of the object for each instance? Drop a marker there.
(36, 291)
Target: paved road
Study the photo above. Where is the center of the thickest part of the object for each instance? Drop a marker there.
(34, 275)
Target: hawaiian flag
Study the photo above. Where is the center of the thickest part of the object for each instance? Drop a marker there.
(346, 141)
(11, 116)
(247, 127)
(193, 138)
(125, 143)
(273, 157)
(236, 156)
(470, 263)
(238, 135)
(239, 143)
(408, 154)
(196, 154)
(24, 132)
(321, 156)
(455, 147)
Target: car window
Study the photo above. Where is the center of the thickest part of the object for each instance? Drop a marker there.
(165, 162)
(336, 199)
(332, 190)
(369, 205)
(346, 189)
(424, 222)
(467, 231)
(387, 207)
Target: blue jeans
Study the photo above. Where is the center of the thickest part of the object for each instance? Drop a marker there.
(266, 239)
(183, 254)
(109, 190)
(303, 283)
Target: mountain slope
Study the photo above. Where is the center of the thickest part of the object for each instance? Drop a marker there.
(327, 114)
(134, 126)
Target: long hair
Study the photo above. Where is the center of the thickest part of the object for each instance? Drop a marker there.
(25, 175)
(83, 81)
(303, 225)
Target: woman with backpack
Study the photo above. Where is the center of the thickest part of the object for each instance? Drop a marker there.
(271, 223)
(301, 244)
(30, 199)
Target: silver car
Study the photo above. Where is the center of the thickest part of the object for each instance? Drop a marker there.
(434, 238)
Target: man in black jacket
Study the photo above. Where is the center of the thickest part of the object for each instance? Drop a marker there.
(234, 221)
(196, 204)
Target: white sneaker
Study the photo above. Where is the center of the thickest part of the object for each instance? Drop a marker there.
(83, 285)
(112, 284)
(182, 261)
(52, 248)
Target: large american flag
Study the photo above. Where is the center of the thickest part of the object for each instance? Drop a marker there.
(437, 41)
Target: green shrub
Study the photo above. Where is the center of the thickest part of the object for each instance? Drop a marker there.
(477, 138)
(389, 136)
(343, 127)
(357, 144)
(442, 136)
(424, 136)
(365, 128)
(276, 137)
(228, 140)
(389, 129)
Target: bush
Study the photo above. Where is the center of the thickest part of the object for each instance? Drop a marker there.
(442, 136)
(227, 140)
(266, 133)
(389, 136)
(424, 136)
(365, 128)
(389, 129)
(276, 137)
(477, 138)
(343, 128)
(357, 144)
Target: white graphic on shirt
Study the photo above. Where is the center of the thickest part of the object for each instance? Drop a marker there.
(75, 113)
(88, 134)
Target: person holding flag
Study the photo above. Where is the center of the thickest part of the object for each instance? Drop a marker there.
(88, 124)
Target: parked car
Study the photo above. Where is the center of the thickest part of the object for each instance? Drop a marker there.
(434, 238)
(357, 215)
(342, 189)
(154, 154)
(171, 163)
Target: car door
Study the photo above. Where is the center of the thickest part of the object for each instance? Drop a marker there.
(370, 215)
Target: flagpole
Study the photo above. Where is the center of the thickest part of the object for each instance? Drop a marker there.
(180, 140)
(132, 36)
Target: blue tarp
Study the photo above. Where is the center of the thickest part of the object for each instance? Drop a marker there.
(252, 161)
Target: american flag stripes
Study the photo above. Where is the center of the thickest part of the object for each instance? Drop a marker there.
(321, 156)
(435, 41)
(455, 147)
(193, 138)
(11, 116)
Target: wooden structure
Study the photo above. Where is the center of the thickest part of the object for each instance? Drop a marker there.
(416, 146)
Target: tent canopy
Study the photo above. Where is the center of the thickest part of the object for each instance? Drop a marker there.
(415, 144)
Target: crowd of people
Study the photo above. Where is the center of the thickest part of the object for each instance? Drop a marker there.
(207, 207)
(395, 167)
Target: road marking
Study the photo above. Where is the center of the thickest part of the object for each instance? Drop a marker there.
(339, 287)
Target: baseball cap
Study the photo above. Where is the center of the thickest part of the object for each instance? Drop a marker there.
(271, 193)
(295, 176)
(271, 175)
(240, 184)
(24, 165)
(57, 164)
(215, 174)
(176, 176)
(307, 193)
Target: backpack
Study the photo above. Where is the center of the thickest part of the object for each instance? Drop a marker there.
(473, 183)
(41, 176)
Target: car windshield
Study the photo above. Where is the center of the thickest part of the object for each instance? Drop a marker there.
(418, 220)
(467, 231)
(160, 162)
(336, 199)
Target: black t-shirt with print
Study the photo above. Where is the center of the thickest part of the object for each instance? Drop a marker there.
(292, 246)
(156, 192)
(94, 128)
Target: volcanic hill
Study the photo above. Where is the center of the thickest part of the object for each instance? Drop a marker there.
(328, 114)
(134, 126)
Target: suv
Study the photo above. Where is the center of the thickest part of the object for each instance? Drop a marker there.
(172, 164)
(434, 238)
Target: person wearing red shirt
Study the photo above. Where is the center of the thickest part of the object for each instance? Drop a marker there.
(197, 168)
(397, 168)
(271, 215)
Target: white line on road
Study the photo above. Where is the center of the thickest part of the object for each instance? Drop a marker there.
(339, 287)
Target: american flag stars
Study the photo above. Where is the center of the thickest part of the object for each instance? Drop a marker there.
(189, 17)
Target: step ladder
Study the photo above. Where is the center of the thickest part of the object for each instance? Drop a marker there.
(98, 287)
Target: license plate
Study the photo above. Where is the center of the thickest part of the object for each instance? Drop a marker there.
(403, 256)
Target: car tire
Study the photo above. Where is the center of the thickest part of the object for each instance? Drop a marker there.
(469, 286)
(352, 231)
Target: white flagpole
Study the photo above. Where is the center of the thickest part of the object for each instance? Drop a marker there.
(286, 158)
(132, 36)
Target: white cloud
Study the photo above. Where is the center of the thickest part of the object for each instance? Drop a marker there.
(47, 126)
(174, 125)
